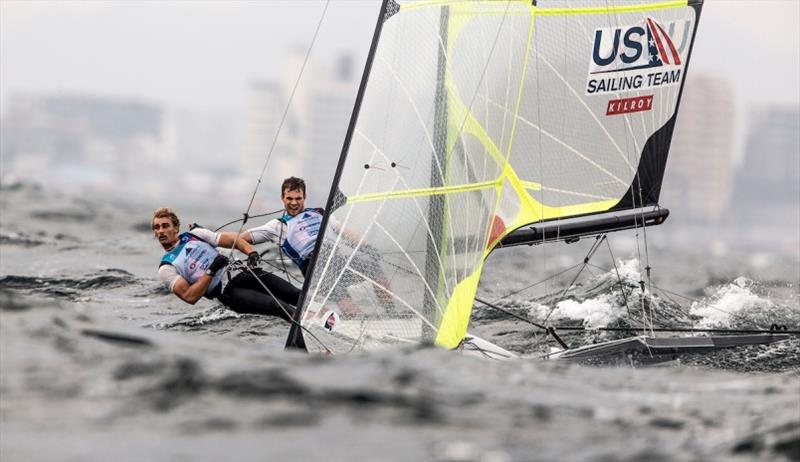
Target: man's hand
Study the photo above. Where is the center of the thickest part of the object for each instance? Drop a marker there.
(221, 261)
(253, 259)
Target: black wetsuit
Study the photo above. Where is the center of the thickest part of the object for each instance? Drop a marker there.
(245, 293)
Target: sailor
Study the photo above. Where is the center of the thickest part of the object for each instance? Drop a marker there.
(192, 268)
(296, 234)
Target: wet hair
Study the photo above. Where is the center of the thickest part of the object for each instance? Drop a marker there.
(166, 212)
(292, 183)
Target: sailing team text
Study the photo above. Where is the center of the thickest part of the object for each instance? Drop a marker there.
(632, 82)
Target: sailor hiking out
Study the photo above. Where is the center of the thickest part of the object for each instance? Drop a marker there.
(192, 268)
(296, 234)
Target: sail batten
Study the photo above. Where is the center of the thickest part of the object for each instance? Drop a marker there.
(475, 121)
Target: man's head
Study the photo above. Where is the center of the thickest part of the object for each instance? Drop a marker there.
(293, 195)
(166, 227)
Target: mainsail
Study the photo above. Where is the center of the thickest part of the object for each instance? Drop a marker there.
(475, 119)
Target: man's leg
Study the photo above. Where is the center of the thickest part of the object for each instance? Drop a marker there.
(246, 300)
(279, 287)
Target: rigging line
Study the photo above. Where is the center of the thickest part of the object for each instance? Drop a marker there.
(419, 273)
(680, 329)
(589, 255)
(637, 180)
(539, 140)
(280, 125)
(513, 315)
(588, 110)
(483, 77)
(249, 216)
(280, 304)
(339, 235)
(705, 304)
(423, 220)
(595, 245)
(678, 306)
(562, 143)
(396, 297)
(619, 278)
(537, 283)
(288, 276)
(343, 231)
(424, 127)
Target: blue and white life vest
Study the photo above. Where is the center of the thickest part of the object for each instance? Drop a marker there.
(301, 234)
(191, 257)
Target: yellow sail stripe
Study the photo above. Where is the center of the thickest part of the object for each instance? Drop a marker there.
(609, 9)
(573, 11)
(464, 6)
(406, 193)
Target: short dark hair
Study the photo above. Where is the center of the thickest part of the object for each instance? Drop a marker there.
(166, 212)
(292, 183)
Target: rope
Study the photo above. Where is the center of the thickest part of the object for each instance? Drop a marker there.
(619, 278)
(246, 214)
(288, 315)
(248, 217)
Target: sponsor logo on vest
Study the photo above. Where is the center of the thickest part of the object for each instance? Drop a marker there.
(638, 57)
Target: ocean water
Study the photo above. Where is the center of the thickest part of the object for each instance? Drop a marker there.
(99, 362)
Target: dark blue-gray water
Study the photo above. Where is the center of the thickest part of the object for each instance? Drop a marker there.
(99, 362)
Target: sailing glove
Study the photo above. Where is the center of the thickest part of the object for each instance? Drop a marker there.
(221, 261)
(253, 258)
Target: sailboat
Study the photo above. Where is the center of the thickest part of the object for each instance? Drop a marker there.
(481, 125)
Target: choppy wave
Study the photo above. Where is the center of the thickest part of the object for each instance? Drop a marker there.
(617, 299)
(196, 318)
(115, 350)
(70, 287)
(741, 304)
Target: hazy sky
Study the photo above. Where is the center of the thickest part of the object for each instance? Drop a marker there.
(201, 55)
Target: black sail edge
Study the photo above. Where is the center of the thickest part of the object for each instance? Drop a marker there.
(295, 337)
(631, 211)
(653, 161)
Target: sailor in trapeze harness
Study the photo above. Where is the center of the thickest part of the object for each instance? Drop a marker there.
(296, 234)
(192, 268)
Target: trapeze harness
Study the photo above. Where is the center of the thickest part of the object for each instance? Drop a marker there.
(301, 235)
(191, 257)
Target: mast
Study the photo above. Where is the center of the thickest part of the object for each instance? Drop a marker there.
(335, 198)
(439, 157)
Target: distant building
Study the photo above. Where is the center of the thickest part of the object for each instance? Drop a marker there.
(700, 166)
(79, 140)
(311, 139)
(767, 188)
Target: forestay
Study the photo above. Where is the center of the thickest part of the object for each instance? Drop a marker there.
(475, 118)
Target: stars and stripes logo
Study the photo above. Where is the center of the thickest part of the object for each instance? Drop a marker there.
(659, 43)
(637, 57)
(642, 46)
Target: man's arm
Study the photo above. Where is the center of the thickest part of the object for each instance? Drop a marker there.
(191, 293)
(242, 244)
(271, 231)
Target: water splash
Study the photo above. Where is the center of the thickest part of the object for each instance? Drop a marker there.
(742, 304)
(197, 318)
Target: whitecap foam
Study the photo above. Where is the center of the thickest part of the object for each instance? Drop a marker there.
(595, 312)
(729, 302)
